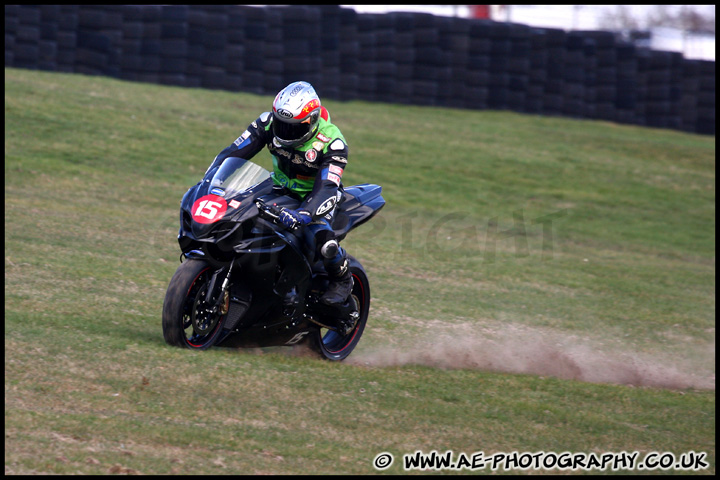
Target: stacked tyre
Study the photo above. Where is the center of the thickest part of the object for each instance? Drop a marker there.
(235, 48)
(301, 56)
(11, 26)
(658, 107)
(430, 68)
(385, 66)
(273, 61)
(706, 98)
(554, 96)
(676, 75)
(67, 23)
(131, 44)
(690, 86)
(605, 74)
(214, 40)
(33, 37)
(99, 40)
(454, 40)
(574, 75)
(590, 74)
(627, 82)
(537, 75)
(367, 62)
(643, 84)
(254, 41)
(47, 46)
(404, 50)
(149, 68)
(477, 80)
(349, 53)
(22, 35)
(195, 49)
(408, 58)
(329, 80)
(499, 80)
(518, 67)
(173, 44)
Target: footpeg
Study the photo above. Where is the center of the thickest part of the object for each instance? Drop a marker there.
(347, 325)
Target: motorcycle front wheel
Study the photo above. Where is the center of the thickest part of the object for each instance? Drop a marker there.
(330, 344)
(188, 319)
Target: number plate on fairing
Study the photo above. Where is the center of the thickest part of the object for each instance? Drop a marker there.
(209, 209)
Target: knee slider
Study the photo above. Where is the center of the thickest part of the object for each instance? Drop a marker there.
(330, 249)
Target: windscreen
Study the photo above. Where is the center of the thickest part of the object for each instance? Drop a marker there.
(237, 175)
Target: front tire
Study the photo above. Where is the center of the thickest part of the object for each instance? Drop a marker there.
(330, 344)
(187, 320)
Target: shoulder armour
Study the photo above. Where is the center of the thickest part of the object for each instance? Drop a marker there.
(265, 119)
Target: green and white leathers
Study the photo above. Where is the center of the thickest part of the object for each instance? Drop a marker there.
(311, 170)
(300, 168)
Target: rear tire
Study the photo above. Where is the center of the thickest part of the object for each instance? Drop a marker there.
(333, 346)
(186, 321)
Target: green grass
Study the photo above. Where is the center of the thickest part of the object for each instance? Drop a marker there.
(538, 284)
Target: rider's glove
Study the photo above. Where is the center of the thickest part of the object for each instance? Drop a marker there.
(294, 218)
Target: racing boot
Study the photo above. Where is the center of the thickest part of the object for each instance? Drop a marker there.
(339, 289)
(341, 281)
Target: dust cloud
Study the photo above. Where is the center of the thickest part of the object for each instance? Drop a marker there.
(544, 353)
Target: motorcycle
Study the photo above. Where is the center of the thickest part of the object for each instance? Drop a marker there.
(238, 262)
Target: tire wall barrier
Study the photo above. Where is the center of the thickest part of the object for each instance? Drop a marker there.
(407, 58)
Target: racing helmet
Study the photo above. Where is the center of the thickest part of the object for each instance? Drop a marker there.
(296, 114)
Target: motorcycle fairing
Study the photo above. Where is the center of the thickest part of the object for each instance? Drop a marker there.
(359, 204)
(275, 257)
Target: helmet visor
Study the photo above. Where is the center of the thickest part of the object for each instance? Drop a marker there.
(290, 132)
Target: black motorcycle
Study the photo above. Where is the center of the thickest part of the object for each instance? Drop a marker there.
(238, 262)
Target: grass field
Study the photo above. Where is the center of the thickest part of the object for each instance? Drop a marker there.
(539, 284)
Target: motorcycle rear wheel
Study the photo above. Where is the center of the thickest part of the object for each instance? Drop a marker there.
(187, 319)
(330, 344)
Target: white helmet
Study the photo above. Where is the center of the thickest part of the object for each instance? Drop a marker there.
(296, 113)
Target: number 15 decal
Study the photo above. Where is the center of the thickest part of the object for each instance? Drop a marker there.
(209, 209)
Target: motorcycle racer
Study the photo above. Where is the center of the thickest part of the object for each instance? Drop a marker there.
(309, 156)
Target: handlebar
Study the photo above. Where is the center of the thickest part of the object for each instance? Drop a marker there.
(272, 212)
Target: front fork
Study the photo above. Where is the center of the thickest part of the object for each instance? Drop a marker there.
(221, 302)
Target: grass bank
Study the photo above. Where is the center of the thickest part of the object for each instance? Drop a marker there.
(538, 284)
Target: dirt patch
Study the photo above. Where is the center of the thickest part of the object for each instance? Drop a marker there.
(514, 349)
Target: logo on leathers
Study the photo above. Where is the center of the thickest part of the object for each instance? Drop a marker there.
(326, 206)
